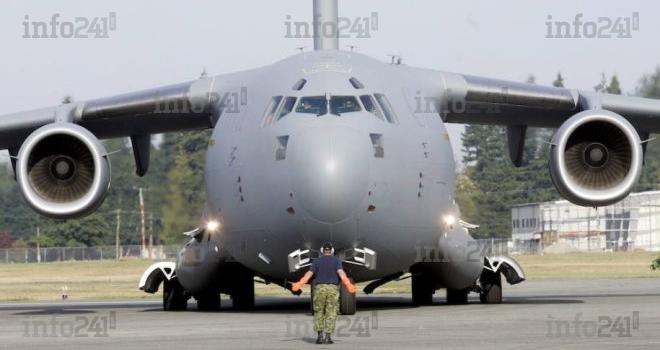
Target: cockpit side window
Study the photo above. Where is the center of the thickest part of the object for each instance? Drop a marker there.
(370, 105)
(385, 105)
(299, 84)
(344, 104)
(313, 105)
(287, 107)
(356, 83)
(271, 109)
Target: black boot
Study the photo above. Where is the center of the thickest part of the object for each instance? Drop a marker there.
(328, 340)
(319, 340)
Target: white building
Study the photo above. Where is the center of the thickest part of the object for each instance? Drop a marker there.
(633, 223)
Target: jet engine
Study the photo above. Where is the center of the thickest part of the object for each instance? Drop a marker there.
(63, 171)
(596, 158)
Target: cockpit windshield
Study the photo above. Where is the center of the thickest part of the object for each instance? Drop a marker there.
(319, 105)
(344, 104)
(312, 105)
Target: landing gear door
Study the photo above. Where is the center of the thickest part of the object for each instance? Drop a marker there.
(298, 259)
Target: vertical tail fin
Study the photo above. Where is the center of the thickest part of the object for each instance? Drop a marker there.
(325, 25)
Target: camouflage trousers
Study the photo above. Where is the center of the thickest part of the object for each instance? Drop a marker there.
(326, 307)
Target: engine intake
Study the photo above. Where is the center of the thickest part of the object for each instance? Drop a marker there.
(596, 158)
(63, 171)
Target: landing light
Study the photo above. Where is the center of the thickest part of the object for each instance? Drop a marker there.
(212, 225)
(450, 220)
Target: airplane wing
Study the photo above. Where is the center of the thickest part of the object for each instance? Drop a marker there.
(62, 168)
(183, 106)
(597, 152)
(476, 100)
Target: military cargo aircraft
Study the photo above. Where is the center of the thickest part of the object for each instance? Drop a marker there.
(329, 146)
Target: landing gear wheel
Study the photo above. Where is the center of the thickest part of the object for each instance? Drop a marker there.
(243, 294)
(423, 288)
(208, 301)
(491, 288)
(457, 296)
(347, 301)
(174, 298)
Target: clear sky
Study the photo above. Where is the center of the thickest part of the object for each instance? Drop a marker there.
(162, 42)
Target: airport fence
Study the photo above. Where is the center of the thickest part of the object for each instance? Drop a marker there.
(489, 246)
(52, 254)
(496, 246)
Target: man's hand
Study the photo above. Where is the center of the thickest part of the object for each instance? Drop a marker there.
(296, 286)
(305, 278)
(350, 287)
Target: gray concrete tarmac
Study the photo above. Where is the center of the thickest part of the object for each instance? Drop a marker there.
(542, 314)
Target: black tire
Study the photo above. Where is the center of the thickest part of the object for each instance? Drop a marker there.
(423, 288)
(491, 288)
(347, 301)
(243, 295)
(208, 301)
(457, 296)
(174, 298)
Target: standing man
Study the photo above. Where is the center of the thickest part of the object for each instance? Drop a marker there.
(328, 271)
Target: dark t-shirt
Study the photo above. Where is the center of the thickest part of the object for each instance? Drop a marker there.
(325, 269)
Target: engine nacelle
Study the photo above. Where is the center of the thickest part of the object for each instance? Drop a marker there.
(596, 158)
(63, 171)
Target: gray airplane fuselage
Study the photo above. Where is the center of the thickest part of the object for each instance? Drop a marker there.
(326, 182)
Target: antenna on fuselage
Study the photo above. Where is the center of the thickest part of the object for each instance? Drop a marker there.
(301, 48)
(395, 60)
(352, 47)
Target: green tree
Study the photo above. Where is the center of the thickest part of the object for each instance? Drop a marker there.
(649, 87)
(559, 81)
(613, 87)
(490, 184)
(67, 99)
(90, 231)
(185, 197)
(491, 172)
(124, 191)
(15, 217)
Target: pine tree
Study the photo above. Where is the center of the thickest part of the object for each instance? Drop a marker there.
(185, 199)
(67, 99)
(613, 87)
(649, 87)
(490, 184)
(559, 81)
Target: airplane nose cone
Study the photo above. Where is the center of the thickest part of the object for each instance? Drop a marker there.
(330, 171)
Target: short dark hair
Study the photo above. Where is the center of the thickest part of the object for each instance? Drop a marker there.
(327, 246)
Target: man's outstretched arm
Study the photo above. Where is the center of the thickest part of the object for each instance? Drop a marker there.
(347, 283)
(305, 278)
